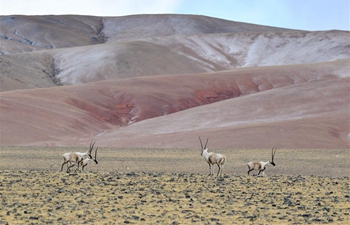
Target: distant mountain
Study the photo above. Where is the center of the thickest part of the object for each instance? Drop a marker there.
(31, 33)
(162, 80)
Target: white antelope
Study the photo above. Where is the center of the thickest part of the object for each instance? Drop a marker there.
(261, 166)
(212, 158)
(75, 158)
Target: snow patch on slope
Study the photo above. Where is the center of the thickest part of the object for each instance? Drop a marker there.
(231, 51)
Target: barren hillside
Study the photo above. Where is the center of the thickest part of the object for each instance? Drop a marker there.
(162, 80)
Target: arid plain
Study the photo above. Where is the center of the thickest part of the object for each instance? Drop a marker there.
(172, 186)
(144, 87)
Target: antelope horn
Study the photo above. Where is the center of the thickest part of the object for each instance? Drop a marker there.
(96, 154)
(91, 146)
(273, 153)
(206, 143)
(200, 141)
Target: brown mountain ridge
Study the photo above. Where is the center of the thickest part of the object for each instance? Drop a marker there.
(162, 80)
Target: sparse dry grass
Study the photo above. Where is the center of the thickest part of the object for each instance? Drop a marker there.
(326, 162)
(163, 186)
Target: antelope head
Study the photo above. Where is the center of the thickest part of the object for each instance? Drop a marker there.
(205, 146)
(273, 152)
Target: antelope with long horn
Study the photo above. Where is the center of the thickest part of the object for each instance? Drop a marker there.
(75, 158)
(86, 161)
(212, 158)
(261, 166)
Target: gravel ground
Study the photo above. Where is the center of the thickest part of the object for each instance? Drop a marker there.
(47, 197)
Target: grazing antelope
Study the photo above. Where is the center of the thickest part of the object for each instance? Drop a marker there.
(261, 166)
(212, 158)
(86, 161)
(75, 158)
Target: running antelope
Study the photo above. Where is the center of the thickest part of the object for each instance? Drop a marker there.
(75, 158)
(212, 158)
(261, 166)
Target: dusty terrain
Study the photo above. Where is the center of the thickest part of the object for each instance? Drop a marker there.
(43, 197)
(174, 188)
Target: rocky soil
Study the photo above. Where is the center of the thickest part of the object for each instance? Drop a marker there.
(47, 197)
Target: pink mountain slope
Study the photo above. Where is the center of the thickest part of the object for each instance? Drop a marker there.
(70, 80)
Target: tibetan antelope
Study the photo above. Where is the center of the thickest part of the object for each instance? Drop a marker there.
(87, 160)
(75, 158)
(212, 158)
(261, 166)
